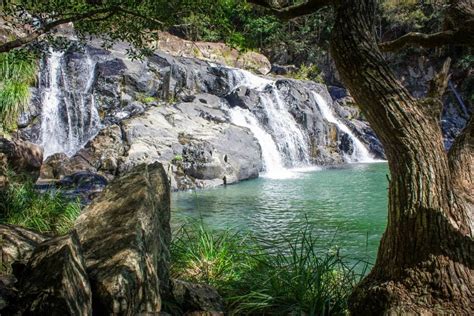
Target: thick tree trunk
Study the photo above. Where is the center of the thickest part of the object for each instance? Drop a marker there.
(426, 257)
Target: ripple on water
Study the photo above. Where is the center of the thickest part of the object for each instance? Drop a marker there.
(345, 207)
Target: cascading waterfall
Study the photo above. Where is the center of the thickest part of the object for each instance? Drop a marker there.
(274, 167)
(360, 153)
(69, 117)
(284, 144)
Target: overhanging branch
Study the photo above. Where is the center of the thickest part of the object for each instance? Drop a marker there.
(49, 26)
(462, 36)
(291, 12)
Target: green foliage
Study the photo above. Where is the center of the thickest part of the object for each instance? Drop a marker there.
(17, 74)
(401, 16)
(204, 256)
(146, 99)
(234, 22)
(258, 277)
(310, 72)
(48, 212)
(177, 158)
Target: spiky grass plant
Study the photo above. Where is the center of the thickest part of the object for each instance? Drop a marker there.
(205, 256)
(48, 212)
(17, 73)
(258, 277)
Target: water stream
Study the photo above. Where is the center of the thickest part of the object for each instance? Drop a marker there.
(283, 141)
(360, 153)
(69, 117)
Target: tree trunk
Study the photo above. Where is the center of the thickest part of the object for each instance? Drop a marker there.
(426, 257)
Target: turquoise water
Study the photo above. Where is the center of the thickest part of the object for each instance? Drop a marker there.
(344, 207)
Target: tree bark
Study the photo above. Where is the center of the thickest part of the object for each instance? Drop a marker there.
(426, 257)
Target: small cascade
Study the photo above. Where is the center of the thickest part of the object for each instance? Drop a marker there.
(273, 164)
(69, 117)
(360, 153)
(282, 130)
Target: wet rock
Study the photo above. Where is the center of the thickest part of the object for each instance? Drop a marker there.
(125, 235)
(54, 281)
(337, 92)
(196, 299)
(283, 69)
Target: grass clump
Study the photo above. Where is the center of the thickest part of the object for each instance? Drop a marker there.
(48, 212)
(258, 277)
(17, 73)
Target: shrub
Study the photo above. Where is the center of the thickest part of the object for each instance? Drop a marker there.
(48, 212)
(258, 277)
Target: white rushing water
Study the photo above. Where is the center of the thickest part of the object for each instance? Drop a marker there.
(284, 145)
(69, 117)
(52, 131)
(360, 153)
(273, 164)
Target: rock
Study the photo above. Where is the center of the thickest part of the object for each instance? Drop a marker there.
(337, 92)
(84, 185)
(22, 157)
(215, 52)
(196, 299)
(54, 281)
(254, 62)
(8, 295)
(17, 243)
(283, 69)
(125, 235)
(59, 165)
(210, 147)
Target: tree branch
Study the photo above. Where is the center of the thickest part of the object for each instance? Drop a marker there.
(48, 27)
(432, 104)
(439, 83)
(138, 15)
(291, 12)
(463, 37)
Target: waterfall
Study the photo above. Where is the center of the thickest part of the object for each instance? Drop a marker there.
(360, 153)
(52, 131)
(69, 117)
(272, 161)
(289, 144)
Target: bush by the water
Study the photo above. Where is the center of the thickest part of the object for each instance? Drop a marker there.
(265, 278)
(48, 212)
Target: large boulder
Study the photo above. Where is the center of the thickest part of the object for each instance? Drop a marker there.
(22, 157)
(17, 244)
(196, 299)
(54, 281)
(125, 234)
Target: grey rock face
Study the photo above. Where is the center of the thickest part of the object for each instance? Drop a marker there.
(176, 110)
(54, 281)
(125, 235)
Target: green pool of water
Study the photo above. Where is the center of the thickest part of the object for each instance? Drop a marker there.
(344, 207)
